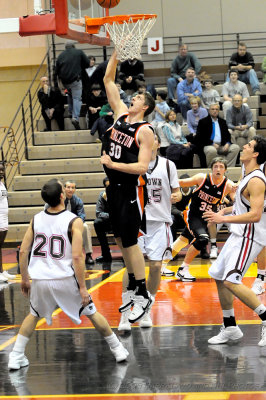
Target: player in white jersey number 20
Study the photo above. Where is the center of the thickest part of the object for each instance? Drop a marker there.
(56, 268)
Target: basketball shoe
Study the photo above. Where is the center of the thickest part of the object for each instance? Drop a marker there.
(184, 275)
(214, 252)
(17, 360)
(141, 305)
(226, 334)
(166, 272)
(3, 278)
(127, 300)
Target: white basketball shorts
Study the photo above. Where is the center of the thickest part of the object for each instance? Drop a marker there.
(47, 294)
(235, 259)
(156, 240)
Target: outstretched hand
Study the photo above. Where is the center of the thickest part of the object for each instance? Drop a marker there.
(211, 216)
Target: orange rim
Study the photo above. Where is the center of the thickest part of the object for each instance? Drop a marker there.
(117, 18)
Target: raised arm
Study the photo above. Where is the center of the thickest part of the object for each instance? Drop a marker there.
(117, 105)
(194, 180)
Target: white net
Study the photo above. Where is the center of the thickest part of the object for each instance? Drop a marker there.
(128, 37)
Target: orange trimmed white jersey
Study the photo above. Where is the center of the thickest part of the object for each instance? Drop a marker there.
(121, 143)
(253, 231)
(159, 186)
(51, 254)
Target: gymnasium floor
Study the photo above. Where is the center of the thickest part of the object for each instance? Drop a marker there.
(171, 361)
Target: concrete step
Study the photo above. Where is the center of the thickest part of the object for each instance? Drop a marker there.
(64, 151)
(40, 124)
(33, 197)
(263, 108)
(83, 180)
(61, 166)
(17, 231)
(262, 120)
(63, 137)
(25, 214)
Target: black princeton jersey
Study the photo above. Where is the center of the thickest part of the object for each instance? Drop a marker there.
(121, 143)
(207, 196)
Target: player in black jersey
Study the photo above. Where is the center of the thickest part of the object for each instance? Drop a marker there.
(209, 193)
(127, 149)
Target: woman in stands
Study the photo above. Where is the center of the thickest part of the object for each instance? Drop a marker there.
(177, 148)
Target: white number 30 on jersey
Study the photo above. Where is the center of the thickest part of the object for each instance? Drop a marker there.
(115, 151)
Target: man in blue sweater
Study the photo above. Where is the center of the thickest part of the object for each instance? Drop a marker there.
(179, 66)
(186, 89)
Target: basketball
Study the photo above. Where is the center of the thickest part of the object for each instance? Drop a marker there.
(108, 3)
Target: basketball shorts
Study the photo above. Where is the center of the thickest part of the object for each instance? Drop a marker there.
(195, 226)
(157, 238)
(236, 256)
(48, 294)
(126, 208)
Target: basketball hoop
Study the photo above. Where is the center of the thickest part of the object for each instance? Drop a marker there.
(126, 31)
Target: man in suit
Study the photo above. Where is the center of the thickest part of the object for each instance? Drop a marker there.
(214, 138)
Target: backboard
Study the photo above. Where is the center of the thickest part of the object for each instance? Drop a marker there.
(78, 10)
(65, 18)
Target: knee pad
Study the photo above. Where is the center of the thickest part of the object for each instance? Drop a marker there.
(201, 241)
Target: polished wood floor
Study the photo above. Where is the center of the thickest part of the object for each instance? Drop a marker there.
(170, 361)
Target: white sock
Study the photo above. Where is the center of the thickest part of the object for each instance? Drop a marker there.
(229, 313)
(213, 242)
(112, 341)
(261, 272)
(20, 344)
(184, 265)
(260, 309)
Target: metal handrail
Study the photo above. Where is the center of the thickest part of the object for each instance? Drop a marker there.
(21, 129)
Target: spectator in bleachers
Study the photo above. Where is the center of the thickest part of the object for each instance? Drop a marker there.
(69, 66)
(179, 150)
(131, 74)
(209, 94)
(243, 62)
(240, 122)
(232, 87)
(52, 102)
(186, 89)
(98, 74)
(179, 66)
(214, 138)
(86, 78)
(102, 225)
(170, 132)
(96, 100)
(74, 204)
(195, 114)
(263, 68)
(161, 107)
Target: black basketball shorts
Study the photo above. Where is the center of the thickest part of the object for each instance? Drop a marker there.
(126, 207)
